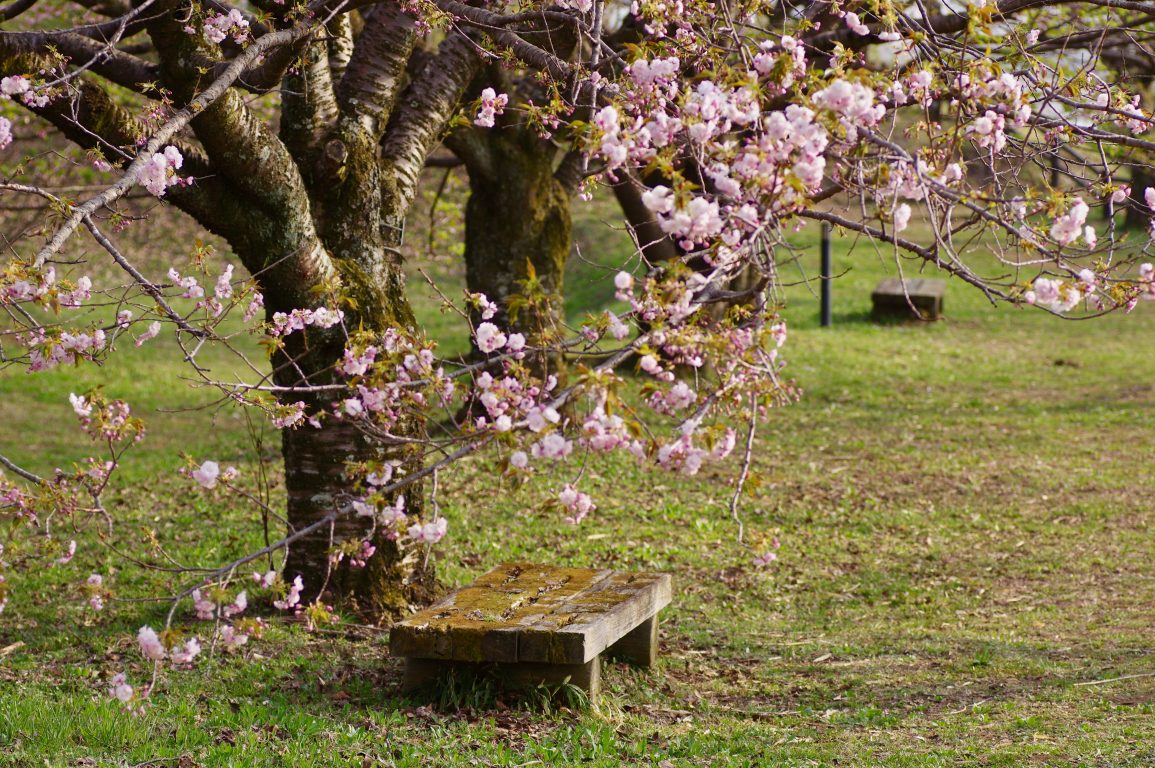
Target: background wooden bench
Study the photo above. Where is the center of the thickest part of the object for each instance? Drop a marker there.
(890, 298)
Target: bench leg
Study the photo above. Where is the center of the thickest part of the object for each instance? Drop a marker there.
(420, 673)
(640, 645)
(587, 677)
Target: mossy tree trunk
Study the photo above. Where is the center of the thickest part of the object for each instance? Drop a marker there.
(517, 231)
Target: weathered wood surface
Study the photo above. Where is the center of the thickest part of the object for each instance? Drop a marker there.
(926, 294)
(639, 646)
(525, 613)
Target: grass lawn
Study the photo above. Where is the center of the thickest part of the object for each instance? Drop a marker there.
(966, 574)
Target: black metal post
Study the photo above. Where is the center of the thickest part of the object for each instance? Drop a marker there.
(827, 275)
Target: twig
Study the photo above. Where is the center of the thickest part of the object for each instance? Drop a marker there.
(747, 457)
(1117, 679)
(20, 471)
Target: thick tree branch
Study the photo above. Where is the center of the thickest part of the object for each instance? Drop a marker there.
(495, 25)
(15, 8)
(340, 45)
(376, 69)
(104, 59)
(424, 111)
(164, 135)
(308, 105)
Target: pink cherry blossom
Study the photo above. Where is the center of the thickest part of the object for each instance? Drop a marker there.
(901, 217)
(203, 607)
(577, 503)
(219, 26)
(150, 645)
(1068, 227)
(492, 104)
(265, 580)
(184, 654)
(855, 25)
(14, 85)
(1055, 295)
(237, 607)
(159, 171)
(429, 533)
(207, 474)
(230, 637)
(69, 553)
(552, 446)
(765, 559)
(617, 329)
(293, 598)
(80, 405)
(151, 333)
(256, 304)
(119, 688)
(489, 338)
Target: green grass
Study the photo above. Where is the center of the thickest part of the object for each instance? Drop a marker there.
(966, 535)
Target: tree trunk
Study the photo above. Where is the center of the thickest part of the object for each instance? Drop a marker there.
(316, 459)
(316, 483)
(517, 234)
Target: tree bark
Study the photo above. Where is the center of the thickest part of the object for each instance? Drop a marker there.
(316, 462)
(517, 233)
(316, 483)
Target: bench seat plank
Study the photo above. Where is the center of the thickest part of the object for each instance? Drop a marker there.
(521, 612)
(595, 619)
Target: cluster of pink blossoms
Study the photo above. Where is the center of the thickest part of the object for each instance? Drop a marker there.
(491, 339)
(106, 419)
(41, 286)
(752, 158)
(153, 649)
(389, 375)
(48, 350)
(1070, 226)
(492, 105)
(159, 171)
(389, 517)
(219, 26)
(297, 320)
(19, 86)
(854, 103)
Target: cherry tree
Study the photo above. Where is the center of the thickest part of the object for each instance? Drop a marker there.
(298, 133)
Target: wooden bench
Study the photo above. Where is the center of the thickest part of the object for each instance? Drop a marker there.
(536, 624)
(890, 298)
